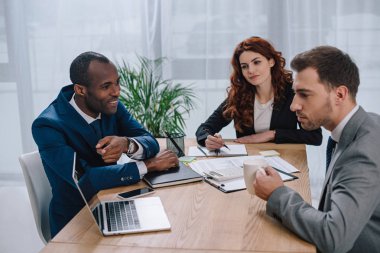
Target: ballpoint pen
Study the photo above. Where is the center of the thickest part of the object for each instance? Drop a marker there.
(285, 173)
(226, 146)
(202, 151)
(217, 135)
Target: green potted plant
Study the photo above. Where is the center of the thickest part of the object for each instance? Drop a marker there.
(159, 104)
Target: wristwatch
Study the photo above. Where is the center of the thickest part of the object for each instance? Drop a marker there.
(131, 146)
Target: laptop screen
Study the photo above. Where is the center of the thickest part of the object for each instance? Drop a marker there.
(92, 202)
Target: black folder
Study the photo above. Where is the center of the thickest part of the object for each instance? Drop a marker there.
(180, 175)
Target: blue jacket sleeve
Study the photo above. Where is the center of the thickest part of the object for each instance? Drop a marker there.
(128, 126)
(57, 152)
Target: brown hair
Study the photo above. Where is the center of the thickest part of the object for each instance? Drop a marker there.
(334, 67)
(241, 94)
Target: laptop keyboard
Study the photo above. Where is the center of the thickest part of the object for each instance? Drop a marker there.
(122, 216)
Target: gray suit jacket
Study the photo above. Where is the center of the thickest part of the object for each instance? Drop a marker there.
(348, 219)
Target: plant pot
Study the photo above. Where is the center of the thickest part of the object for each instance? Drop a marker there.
(180, 140)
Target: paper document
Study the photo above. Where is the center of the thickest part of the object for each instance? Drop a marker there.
(227, 173)
(229, 185)
(234, 150)
(224, 170)
(279, 163)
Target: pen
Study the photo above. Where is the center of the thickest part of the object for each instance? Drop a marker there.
(216, 135)
(226, 146)
(202, 151)
(285, 173)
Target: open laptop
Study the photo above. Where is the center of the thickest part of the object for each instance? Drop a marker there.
(124, 216)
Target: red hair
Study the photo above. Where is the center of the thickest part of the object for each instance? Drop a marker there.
(241, 94)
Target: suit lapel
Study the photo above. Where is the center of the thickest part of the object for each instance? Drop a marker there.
(278, 114)
(347, 137)
(72, 119)
(275, 117)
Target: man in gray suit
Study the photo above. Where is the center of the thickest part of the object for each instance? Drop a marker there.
(348, 217)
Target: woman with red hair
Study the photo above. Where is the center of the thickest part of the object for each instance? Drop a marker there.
(258, 101)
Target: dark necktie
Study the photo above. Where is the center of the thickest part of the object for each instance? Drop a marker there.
(329, 151)
(97, 128)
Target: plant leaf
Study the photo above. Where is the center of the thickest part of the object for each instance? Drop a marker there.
(158, 104)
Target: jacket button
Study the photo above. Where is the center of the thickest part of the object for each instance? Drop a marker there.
(122, 179)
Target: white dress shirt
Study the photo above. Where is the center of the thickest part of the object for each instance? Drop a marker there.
(124, 158)
(337, 132)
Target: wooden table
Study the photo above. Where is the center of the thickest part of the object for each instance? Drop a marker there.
(203, 219)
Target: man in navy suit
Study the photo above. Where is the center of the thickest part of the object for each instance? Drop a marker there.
(87, 118)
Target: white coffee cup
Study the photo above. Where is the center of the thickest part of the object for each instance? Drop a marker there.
(250, 168)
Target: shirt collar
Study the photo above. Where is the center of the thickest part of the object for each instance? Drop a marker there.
(337, 132)
(86, 117)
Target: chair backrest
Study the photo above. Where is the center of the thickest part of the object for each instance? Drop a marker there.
(39, 191)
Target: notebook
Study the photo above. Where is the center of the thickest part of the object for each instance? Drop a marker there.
(232, 150)
(124, 216)
(180, 175)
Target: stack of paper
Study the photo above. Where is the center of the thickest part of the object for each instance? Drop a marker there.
(232, 150)
(232, 167)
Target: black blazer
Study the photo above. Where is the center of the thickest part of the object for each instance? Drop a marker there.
(283, 120)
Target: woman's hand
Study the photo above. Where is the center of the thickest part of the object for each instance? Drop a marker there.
(257, 138)
(214, 142)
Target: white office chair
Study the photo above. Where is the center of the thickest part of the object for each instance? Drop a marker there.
(39, 192)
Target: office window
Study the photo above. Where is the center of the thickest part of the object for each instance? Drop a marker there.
(197, 36)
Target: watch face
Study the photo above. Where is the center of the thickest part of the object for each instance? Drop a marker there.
(131, 146)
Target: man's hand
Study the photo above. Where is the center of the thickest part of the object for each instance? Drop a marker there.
(257, 138)
(266, 182)
(214, 142)
(162, 161)
(111, 148)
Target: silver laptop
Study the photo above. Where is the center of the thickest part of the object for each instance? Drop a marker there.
(124, 216)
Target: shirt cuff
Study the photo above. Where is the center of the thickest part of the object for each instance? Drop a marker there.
(142, 168)
(139, 152)
(140, 165)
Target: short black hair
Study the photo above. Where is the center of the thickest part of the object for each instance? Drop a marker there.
(79, 67)
(334, 67)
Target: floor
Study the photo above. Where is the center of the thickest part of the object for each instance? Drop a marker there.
(16, 218)
(16, 214)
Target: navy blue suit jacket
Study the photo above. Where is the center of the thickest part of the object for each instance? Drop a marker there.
(59, 131)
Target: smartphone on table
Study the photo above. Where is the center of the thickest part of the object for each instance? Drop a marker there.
(135, 193)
